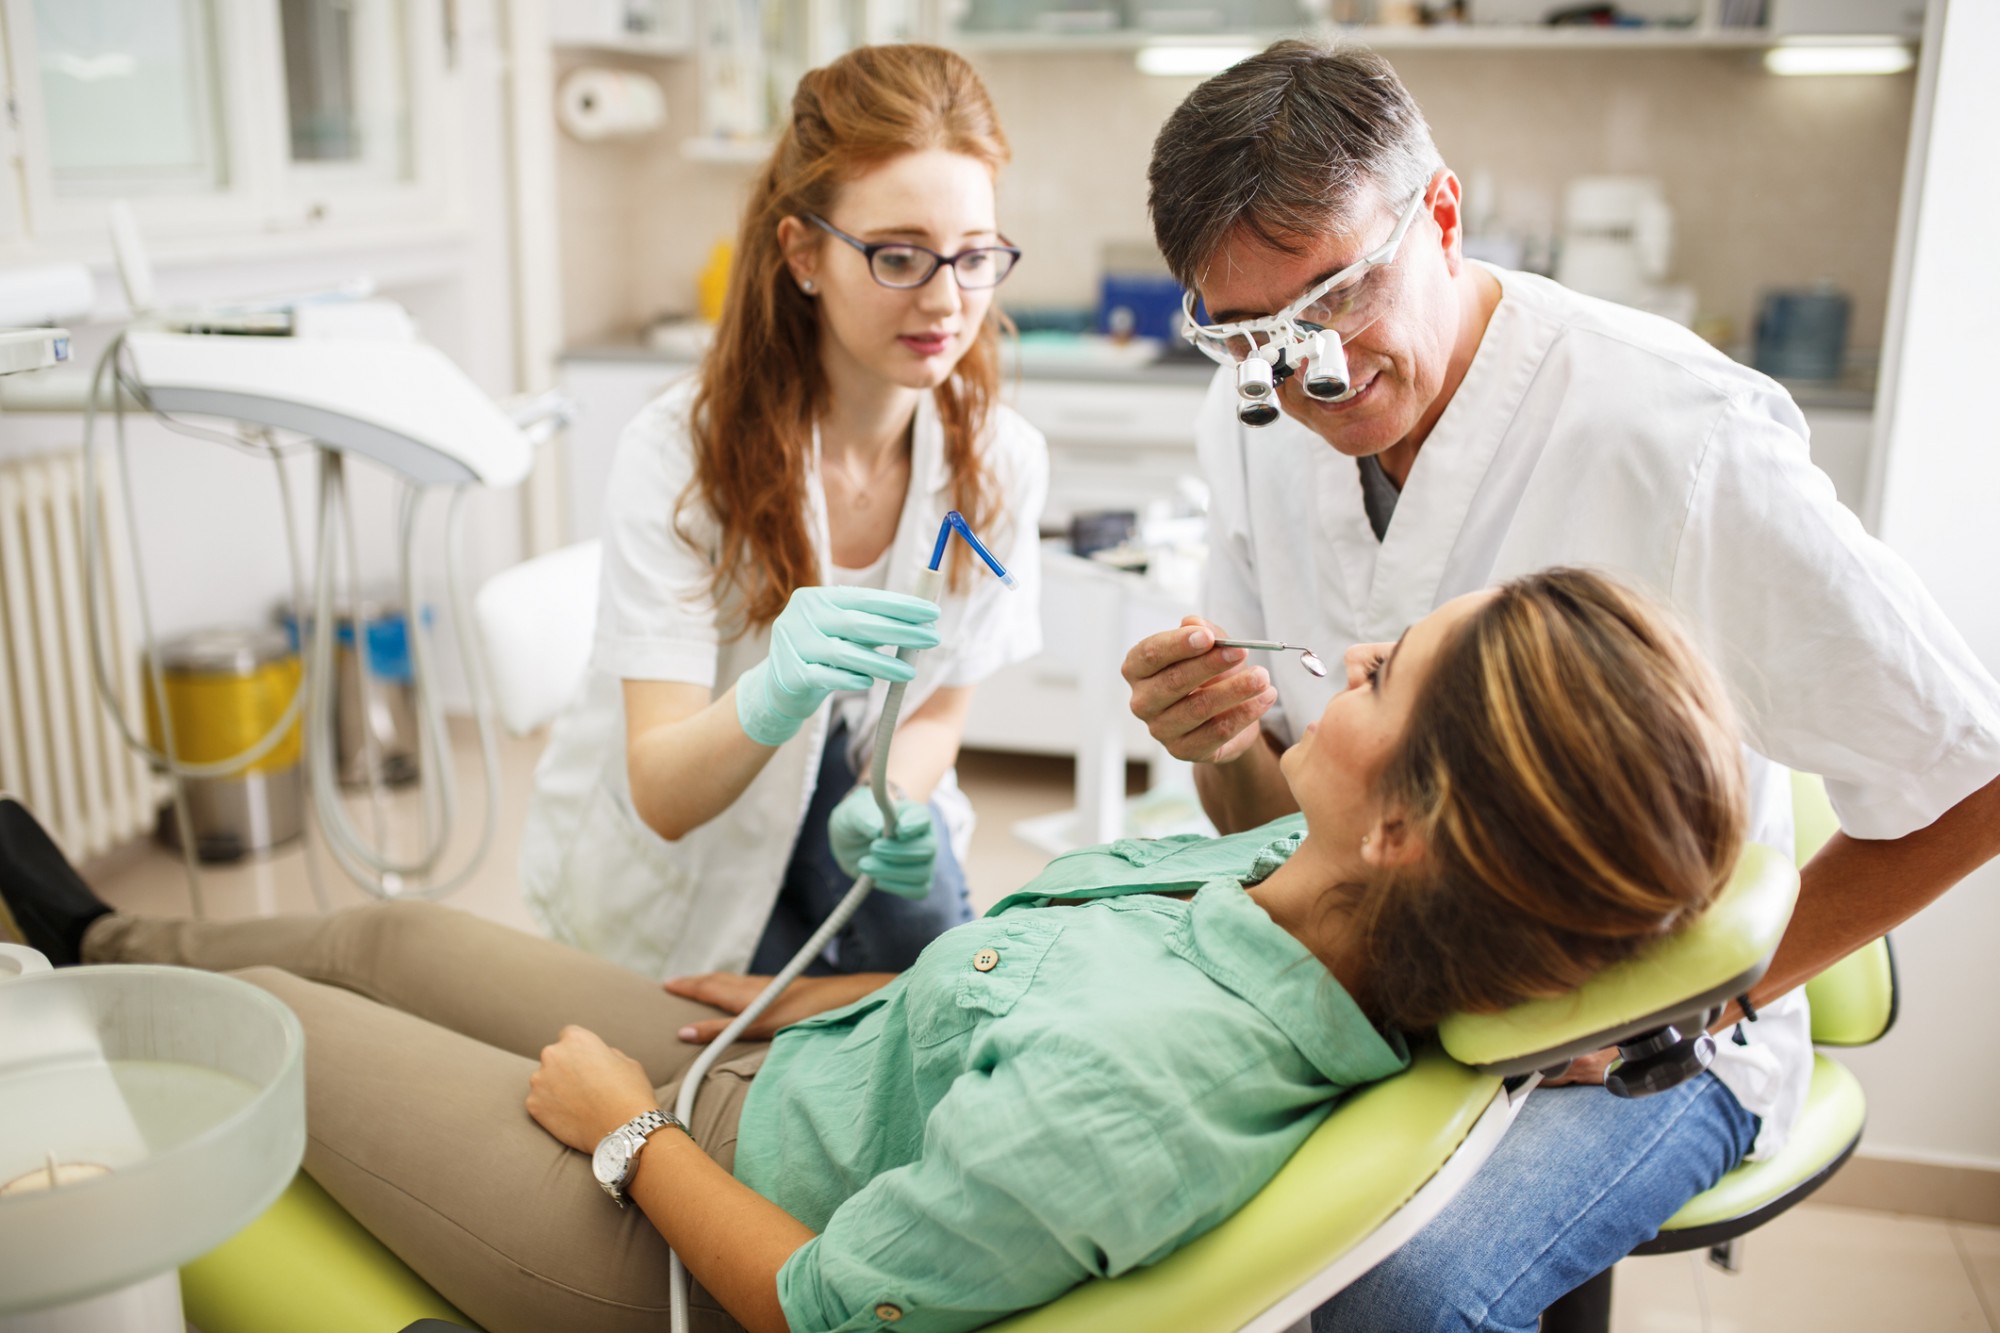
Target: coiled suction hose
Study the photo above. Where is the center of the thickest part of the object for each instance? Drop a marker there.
(928, 583)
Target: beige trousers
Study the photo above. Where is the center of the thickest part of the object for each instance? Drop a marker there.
(422, 1025)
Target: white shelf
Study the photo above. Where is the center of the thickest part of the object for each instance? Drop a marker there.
(739, 152)
(1452, 38)
(658, 48)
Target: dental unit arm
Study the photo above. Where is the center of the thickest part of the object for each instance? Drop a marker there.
(349, 376)
(929, 582)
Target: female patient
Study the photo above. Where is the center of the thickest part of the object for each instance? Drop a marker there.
(1533, 783)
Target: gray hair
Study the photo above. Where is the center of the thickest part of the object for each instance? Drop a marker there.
(1290, 143)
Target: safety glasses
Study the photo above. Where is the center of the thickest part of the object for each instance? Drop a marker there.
(1343, 304)
(902, 265)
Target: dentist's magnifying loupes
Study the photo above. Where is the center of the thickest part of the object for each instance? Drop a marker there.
(1317, 357)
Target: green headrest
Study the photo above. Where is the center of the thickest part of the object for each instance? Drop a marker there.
(1716, 959)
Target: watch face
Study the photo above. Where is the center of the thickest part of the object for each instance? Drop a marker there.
(608, 1162)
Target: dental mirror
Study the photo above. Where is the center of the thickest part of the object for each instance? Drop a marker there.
(1307, 657)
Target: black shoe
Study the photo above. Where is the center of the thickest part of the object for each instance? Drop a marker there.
(50, 904)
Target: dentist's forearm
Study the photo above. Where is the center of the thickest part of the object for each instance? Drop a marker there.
(1246, 791)
(1856, 889)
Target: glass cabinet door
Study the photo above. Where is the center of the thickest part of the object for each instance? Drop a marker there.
(129, 92)
(347, 87)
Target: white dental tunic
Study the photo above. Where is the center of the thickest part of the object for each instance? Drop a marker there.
(595, 876)
(1588, 434)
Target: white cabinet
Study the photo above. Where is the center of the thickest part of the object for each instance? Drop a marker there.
(1841, 439)
(608, 391)
(221, 120)
(1090, 616)
(1114, 443)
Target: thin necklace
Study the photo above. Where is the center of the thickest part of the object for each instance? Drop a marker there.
(858, 486)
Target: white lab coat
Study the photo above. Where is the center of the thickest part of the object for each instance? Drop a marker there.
(1588, 434)
(594, 875)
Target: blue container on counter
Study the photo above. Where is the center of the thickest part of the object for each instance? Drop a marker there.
(1802, 335)
(1150, 306)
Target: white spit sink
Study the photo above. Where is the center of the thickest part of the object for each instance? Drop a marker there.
(147, 1114)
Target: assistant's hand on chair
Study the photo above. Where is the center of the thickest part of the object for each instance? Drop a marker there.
(825, 640)
(584, 1089)
(902, 862)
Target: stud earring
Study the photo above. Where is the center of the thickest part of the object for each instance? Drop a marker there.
(1364, 840)
(806, 286)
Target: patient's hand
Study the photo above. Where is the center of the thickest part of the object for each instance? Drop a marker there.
(585, 1089)
(732, 993)
(1587, 1069)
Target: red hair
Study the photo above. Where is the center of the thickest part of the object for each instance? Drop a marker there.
(752, 429)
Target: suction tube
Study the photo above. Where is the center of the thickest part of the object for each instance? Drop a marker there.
(955, 522)
(929, 583)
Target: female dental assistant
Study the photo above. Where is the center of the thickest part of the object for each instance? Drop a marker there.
(697, 808)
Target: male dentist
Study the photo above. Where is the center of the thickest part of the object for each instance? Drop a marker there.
(1496, 424)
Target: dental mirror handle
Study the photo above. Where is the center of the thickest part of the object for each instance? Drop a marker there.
(1266, 645)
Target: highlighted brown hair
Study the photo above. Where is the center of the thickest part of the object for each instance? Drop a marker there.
(762, 385)
(1574, 772)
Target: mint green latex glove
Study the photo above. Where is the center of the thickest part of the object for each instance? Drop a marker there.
(825, 640)
(901, 864)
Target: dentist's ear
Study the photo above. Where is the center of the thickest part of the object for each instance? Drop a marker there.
(1391, 844)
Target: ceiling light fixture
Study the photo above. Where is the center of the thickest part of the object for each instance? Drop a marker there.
(1185, 61)
(1873, 57)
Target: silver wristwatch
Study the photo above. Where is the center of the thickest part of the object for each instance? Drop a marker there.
(618, 1152)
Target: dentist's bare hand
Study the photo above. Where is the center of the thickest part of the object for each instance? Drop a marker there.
(732, 993)
(1201, 702)
(1585, 1069)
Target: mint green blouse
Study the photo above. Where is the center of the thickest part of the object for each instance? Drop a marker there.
(1053, 1093)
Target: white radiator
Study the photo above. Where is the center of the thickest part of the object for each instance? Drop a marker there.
(60, 751)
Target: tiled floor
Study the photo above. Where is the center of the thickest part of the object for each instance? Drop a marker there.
(1822, 1268)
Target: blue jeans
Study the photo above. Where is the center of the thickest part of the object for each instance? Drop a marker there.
(1578, 1180)
(888, 932)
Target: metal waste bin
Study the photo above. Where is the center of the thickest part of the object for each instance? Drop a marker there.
(389, 722)
(225, 689)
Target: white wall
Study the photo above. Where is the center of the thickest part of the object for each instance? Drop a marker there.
(1744, 157)
(1933, 1084)
(211, 536)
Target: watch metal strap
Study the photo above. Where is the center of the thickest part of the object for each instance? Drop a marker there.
(643, 1124)
(637, 1130)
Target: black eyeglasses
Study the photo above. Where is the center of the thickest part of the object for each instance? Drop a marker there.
(902, 265)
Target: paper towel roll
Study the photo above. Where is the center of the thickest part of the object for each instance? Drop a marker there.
(45, 293)
(598, 103)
